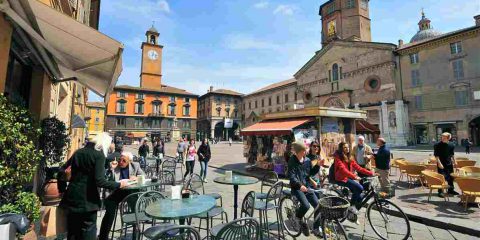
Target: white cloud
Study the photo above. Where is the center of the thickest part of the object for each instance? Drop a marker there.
(163, 5)
(285, 9)
(244, 42)
(260, 5)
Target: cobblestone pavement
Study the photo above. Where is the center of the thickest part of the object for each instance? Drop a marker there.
(231, 157)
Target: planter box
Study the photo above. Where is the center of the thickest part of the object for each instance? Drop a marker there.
(8, 231)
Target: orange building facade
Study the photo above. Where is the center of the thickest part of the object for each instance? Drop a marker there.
(152, 110)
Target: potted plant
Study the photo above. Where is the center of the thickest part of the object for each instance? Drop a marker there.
(53, 142)
(19, 158)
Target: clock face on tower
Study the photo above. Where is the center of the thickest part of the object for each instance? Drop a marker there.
(152, 54)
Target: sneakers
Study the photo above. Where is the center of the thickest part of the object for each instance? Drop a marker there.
(453, 192)
(303, 226)
(352, 215)
(440, 195)
(205, 180)
(353, 210)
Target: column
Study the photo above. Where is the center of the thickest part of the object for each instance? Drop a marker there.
(402, 123)
(5, 40)
(212, 129)
(385, 130)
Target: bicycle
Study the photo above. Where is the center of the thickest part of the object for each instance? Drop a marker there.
(331, 227)
(387, 211)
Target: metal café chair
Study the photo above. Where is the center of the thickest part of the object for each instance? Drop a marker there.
(146, 199)
(169, 165)
(268, 180)
(165, 179)
(209, 215)
(181, 232)
(195, 182)
(270, 203)
(248, 209)
(242, 228)
(127, 213)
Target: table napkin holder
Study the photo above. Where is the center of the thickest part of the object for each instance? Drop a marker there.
(176, 192)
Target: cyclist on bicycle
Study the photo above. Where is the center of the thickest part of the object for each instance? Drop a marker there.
(345, 167)
(300, 170)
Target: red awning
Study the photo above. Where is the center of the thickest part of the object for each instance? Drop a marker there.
(364, 126)
(274, 127)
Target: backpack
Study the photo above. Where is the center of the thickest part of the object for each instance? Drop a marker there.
(331, 173)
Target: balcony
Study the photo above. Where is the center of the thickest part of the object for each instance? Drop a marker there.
(156, 115)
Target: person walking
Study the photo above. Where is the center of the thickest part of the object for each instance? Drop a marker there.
(190, 160)
(382, 162)
(444, 152)
(82, 199)
(143, 152)
(181, 149)
(468, 145)
(362, 153)
(159, 152)
(204, 155)
(124, 169)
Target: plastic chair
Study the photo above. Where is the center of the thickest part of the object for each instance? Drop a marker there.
(195, 182)
(401, 167)
(248, 208)
(394, 164)
(414, 172)
(470, 189)
(271, 202)
(435, 181)
(268, 180)
(464, 163)
(242, 228)
(178, 233)
(471, 169)
(431, 167)
(145, 200)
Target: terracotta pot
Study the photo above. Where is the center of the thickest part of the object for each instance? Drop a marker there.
(51, 195)
(31, 234)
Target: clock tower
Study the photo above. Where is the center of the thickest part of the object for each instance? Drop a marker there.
(151, 73)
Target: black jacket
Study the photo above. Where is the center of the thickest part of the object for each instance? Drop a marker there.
(204, 153)
(157, 149)
(111, 157)
(88, 174)
(143, 150)
(298, 173)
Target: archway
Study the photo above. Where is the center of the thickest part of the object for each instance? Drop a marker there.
(223, 134)
(474, 130)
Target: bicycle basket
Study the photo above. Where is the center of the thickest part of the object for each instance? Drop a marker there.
(333, 207)
(385, 192)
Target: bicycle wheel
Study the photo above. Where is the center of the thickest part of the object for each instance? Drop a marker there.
(288, 209)
(333, 230)
(387, 220)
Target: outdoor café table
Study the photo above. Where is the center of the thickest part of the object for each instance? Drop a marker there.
(137, 186)
(171, 209)
(235, 181)
(468, 175)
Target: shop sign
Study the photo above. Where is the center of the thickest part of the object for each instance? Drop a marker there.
(307, 136)
(228, 123)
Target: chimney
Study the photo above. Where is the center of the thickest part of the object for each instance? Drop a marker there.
(211, 88)
(400, 42)
(477, 20)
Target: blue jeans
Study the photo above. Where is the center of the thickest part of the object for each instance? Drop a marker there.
(203, 169)
(356, 189)
(307, 199)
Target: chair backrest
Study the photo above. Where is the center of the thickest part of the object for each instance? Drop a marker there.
(166, 178)
(401, 163)
(195, 182)
(242, 228)
(414, 169)
(431, 167)
(268, 180)
(179, 232)
(169, 165)
(127, 205)
(465, 163)
(433, 178)
(275, 192)
(248, 205)
(462, 159)
(145, 200)
(471, 169)
(467, 184)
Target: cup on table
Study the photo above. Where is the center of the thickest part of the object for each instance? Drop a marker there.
(185, 194)
(228, 174)
(141, 179)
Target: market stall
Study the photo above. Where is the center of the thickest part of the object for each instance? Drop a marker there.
(267, 143)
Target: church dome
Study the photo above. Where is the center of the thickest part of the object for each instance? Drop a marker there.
(425, 30)
(153, 29)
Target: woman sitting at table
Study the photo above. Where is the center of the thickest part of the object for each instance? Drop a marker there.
(123, 169)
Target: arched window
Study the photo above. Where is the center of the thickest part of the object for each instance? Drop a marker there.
(152, 39)
(121, 106)
(139, 107)
(171, 109)
(335, 72)
(156, 107)
(186, 110)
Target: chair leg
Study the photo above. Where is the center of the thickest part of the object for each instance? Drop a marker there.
(429, 194)
(267, 224)
(446, 196)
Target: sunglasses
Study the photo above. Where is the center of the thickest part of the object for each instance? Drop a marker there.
(123, 160)
(315, 146)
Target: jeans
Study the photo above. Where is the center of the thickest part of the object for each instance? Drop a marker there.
(203, 169)
(356, 189)
(82, 226)
(446, 171)
(307, 199)
(189, 166)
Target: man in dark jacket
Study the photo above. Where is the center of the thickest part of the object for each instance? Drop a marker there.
(444, 152)
(82, 199)
(143, 152)
(382, 162)
(299, 170)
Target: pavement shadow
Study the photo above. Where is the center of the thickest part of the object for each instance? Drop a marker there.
(443, 208)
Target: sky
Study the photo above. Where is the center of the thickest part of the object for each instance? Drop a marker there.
(244, 45)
